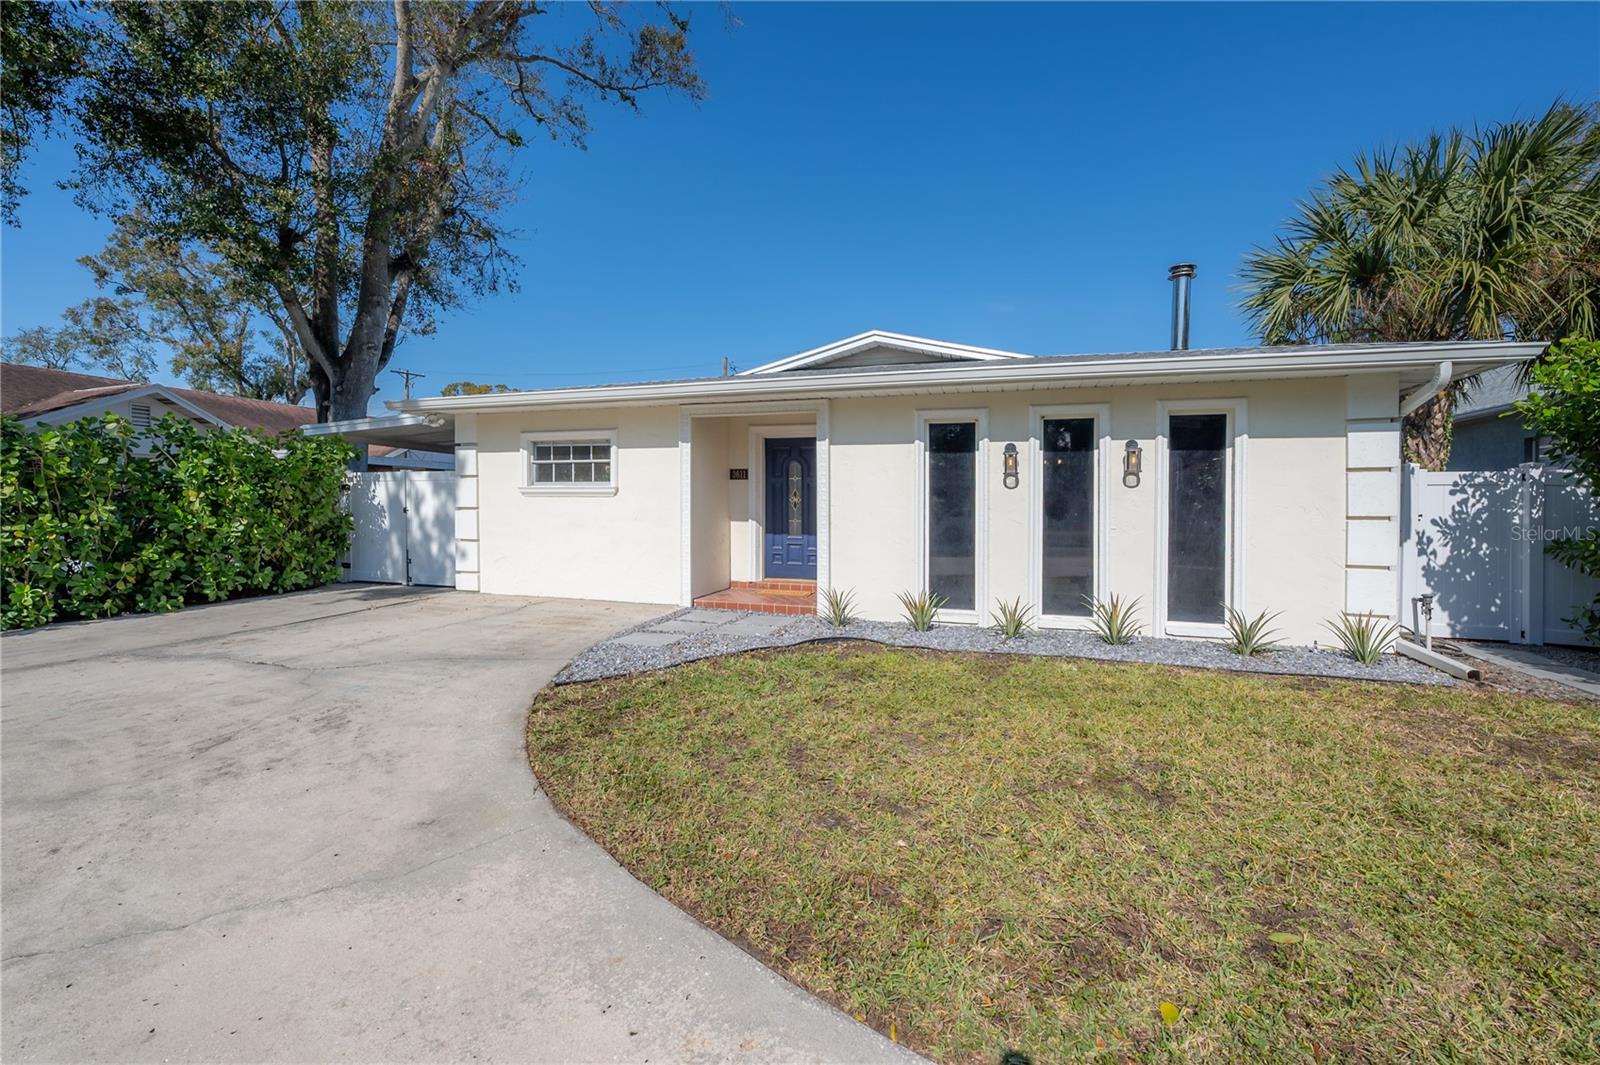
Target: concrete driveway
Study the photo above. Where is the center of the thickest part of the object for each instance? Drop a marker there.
(303, 829)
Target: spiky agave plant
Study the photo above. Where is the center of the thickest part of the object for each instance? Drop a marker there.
(838, 607)
(1114, 620)
(1014, 619)
(1365, 637)
(1250, 636)
(922, 608)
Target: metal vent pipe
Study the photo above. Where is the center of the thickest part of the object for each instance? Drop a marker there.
(1180, 275)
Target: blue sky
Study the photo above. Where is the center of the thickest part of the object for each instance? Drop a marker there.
(1016, 177)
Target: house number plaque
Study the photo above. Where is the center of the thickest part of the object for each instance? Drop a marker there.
(738, 475)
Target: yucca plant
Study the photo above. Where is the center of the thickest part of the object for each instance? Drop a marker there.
(838, 607)
(1114, 620)
(921, 609)
(1250, 636)
(1366, 637)
(1013, 619)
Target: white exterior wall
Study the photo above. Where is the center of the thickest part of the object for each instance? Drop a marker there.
(1302, 541)
(1294, 473)
(619, 547)
(709, 525)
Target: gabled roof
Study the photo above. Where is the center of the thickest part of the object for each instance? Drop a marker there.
(39, 389)
(33, 391)
(920, 349)
(249, 413)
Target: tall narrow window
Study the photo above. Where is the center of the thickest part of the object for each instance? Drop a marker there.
(952, 512)
(1197, 517)
(797, 514)
(1067, 481)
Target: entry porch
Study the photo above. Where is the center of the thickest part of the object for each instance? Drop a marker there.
(755, 488)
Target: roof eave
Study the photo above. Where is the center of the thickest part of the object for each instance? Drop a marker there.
(1087, 371)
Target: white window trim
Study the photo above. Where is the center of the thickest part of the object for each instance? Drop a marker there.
(980, 591)
(757, 495)
(1100, 494)
(1237, 410)
(569, 436)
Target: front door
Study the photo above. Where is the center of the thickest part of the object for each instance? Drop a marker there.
(791, 518)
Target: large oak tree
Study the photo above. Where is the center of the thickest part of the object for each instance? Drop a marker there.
(353, 159)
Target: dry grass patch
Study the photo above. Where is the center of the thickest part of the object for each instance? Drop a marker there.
(1037, 854)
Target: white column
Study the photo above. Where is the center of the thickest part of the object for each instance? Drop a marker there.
(467, 575)
(1372, 494)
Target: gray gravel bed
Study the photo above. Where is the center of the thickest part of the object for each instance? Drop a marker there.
(709, 638)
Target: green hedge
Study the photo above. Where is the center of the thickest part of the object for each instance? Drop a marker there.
(92, 529)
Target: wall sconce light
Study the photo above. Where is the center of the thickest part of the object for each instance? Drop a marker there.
(1132, 463)
(1010, 466)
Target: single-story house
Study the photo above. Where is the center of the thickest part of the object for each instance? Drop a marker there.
(38, 395)
(1262, 478)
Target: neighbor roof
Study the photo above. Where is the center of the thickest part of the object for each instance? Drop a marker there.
(1414, 363)
(31, 391)
(1492, 393)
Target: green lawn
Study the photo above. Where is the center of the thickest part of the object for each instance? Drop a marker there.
(1036, 854)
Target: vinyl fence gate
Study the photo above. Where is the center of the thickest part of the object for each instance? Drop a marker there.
(1476, 540)
(405, 527)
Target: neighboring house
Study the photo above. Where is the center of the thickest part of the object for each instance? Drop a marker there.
(1488, 433)
(40, 396)
(1262, 478)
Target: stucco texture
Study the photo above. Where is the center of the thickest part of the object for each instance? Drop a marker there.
(628, 546)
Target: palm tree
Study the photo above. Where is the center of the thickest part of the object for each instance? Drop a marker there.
(1488, 235)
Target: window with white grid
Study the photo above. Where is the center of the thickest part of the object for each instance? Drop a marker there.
(570, 463)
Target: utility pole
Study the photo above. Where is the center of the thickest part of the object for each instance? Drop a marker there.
(408, 375)
(724, 366)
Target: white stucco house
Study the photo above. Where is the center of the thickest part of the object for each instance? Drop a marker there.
(1263, 478)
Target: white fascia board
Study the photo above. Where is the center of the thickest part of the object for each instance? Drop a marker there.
(877, 338)
(356, 425)
(1085, 370)
(100, 404)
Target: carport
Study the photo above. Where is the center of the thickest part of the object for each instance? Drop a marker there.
(405, 530)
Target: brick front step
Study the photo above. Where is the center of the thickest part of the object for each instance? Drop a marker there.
(764, 598)
(777, 585)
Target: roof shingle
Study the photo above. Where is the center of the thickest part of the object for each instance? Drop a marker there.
(32, 390)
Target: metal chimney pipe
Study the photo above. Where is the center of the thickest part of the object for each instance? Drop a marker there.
(1179, 275)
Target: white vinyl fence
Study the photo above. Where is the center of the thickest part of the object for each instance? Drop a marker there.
(405, 527)
(1476, 540)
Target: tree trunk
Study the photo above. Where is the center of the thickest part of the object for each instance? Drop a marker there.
(349, 390)
(1426, 433)
(321, 391)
